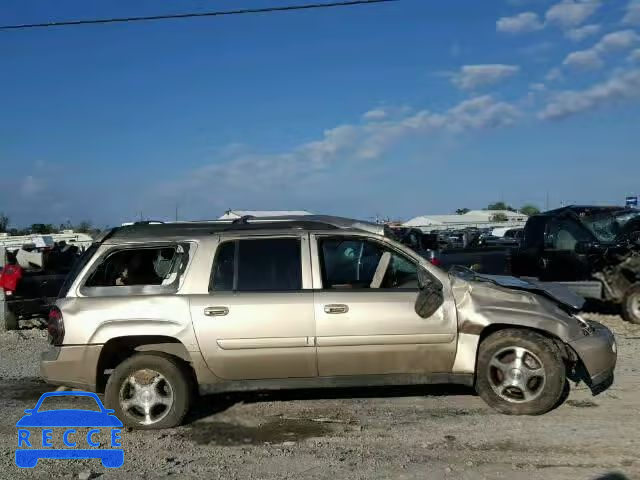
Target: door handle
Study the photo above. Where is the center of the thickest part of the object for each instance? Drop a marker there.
(216, 311)
(334, 308)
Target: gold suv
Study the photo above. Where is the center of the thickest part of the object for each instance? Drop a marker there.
(154, 314)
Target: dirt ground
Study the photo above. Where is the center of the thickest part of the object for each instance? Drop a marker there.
(377, 433)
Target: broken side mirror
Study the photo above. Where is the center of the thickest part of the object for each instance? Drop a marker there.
(430, 296)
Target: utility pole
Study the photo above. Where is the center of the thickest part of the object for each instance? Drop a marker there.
(547, 201)
(176, 211)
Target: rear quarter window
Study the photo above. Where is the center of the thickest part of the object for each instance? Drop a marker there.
(137, 270)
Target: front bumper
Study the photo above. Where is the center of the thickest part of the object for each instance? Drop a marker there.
(598, 354)
(71, 365)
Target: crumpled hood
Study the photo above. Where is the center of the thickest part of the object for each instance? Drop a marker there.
(480, 303)
(553, 291)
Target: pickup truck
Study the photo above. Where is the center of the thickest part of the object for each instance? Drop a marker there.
(594, 251)
(27, 290)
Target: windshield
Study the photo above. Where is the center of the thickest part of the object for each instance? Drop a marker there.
(609, 226)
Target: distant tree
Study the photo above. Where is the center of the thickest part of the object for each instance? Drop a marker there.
(500, 206)
(42, 228)
(84, 226)
(462, 211)
(498, 217)
(529, 209)
(4, 222)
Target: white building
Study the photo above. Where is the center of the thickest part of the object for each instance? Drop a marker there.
(233, 214)
(13, 243)
(473, 218)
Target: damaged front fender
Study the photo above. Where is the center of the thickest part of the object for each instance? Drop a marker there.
(483, 304)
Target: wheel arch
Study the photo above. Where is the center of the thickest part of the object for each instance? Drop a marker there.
(118, 349)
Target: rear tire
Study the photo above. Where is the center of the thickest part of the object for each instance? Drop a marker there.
(10, 320)
(520, 372)
(631, 304)
(171, 396)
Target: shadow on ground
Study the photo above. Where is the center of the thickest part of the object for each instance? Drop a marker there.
(212, 404)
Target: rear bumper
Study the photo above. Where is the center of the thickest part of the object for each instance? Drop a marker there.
(73, 366)
(598, 353)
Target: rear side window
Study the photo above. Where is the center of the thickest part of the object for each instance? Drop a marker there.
(270, 264)
(135, 266)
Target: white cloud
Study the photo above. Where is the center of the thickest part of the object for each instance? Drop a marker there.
(571, 13)
(375, 115)
(592, 57)
(31, 186)
(584, 59)
(580, 33)
(617, 41)
(537, 87)
(471, 77)
(622, 85)
(341, 145)
(632, 17)
(521, 23)
(635, 55)
(554, 75)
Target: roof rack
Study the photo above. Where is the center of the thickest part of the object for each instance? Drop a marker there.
(299, 222)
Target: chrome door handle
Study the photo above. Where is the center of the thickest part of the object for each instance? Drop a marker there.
(334, 308)
(216, 311)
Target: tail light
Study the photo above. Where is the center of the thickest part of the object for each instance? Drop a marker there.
(433, 259)
(55, 326)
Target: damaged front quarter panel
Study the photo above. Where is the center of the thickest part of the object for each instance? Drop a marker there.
(483, 304)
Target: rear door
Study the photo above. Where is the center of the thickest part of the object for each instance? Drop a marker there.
(257, 320)
(365, 294)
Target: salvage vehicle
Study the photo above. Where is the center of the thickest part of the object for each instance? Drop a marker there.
(595, 251)
(30, 281)
(152, 315)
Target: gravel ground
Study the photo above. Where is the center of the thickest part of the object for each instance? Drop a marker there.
(358, 434)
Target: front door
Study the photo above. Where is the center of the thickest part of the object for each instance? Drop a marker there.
(257, 321)
(365, 293)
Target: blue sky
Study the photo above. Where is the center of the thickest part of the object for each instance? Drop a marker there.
(400, 109)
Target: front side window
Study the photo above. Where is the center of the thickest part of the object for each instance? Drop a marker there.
(269, 264)
(136, 267)
(361, 263)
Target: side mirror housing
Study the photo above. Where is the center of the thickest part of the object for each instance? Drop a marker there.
(430, 296)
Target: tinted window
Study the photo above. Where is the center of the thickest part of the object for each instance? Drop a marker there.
(135, 266)
(355, 263)
(222, 278)
(259, 265)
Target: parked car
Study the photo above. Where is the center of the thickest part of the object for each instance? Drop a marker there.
(154, 314)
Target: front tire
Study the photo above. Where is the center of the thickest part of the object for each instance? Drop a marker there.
(520, 372)
(150, 391)
(631, 304)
